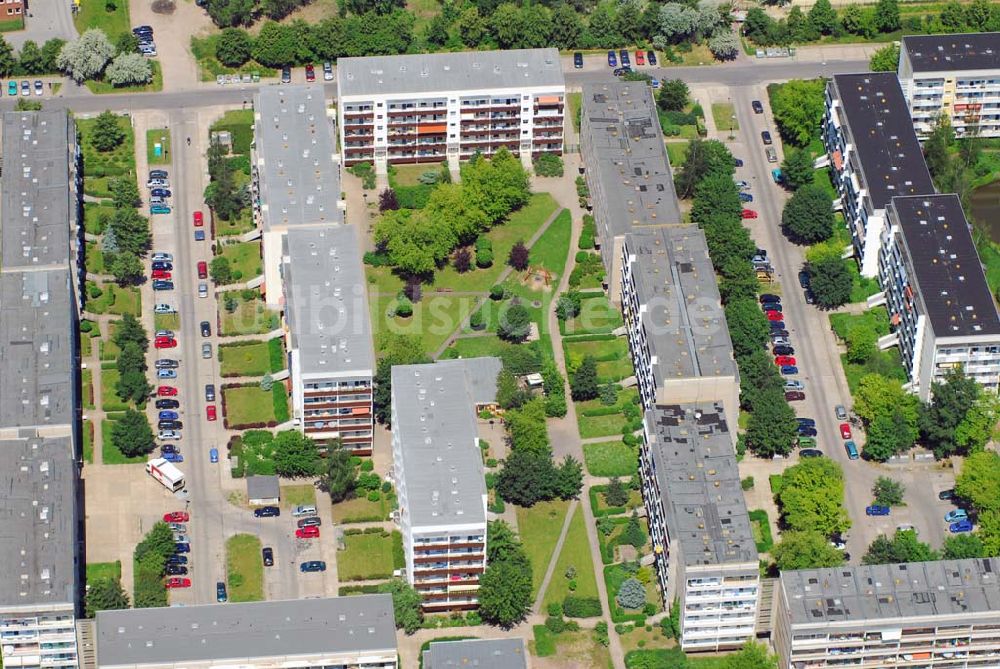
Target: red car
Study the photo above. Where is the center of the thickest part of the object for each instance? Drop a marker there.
(794, 396)
(178, 582)
(202, 269)
(310, 73)
(749, 213)
(176, 517)
(161, 274)
(845, 431)
(784, 361)
(199, 219)
(165, 342)
(640, 57)
(166, 391)
(210, 412)
(308, 532)
(774, 315)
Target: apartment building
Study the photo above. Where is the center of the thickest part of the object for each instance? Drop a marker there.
(917, 615)
(40, 508)
(295, 172)
(627, 169)
(957, 76)
(357, 632)
(432, 108)
(478, 653)
(674, 321)
(328, 335)
(941, 311)
(874, 155)
(704, 550)
(438, 470)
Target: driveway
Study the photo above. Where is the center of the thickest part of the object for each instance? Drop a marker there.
(48, 19)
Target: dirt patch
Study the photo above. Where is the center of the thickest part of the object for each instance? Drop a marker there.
(164, 7)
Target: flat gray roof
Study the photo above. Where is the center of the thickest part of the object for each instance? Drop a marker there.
(326, 302)
(37, 360)
(482, 374)
(624, 152)
(263, 487)
(231, 631)
(699, 483)
(36, 210)
(449, 72)
(876, 592)
(686, 331)
(948, 53)
(478, 653)
(293, 134)
(435, 420)
(38, 528)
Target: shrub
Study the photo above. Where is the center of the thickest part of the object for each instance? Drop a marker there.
(631, 594)
(377, 259)
(404, 308)
(374, 496)
(476, 321)
(747, 483)
(549, 165)
(581, 607)
(555, 624)
(498, 292)
(555, 609)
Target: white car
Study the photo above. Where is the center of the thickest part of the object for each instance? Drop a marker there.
(157, 183)
(202, 290)
(164, 309)
(161, 255)
(169, 435)
(180, 538)
(794, 385)
(165, 333)
(304, 511)
(906, 527)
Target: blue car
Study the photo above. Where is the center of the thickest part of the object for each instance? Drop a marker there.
(746, 197)
(806, 431)
(199, 235)
(177, 559)
(960, 526)
(182, 548)
(877, 510)
(169, 415)
(173, 457)
(789, 370)
(623, 56)
(220, 592)
(159, 209)
(612, 62)
(956, 515)
(806, 421)
(737, 162)
(160, 192)
(161, 284)
(312, 565)
(213, 455)
(771, 306)
(166, 373)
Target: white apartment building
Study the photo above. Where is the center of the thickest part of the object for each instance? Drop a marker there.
(328, 335)
(432, 108)
(674, 321)
(941, 311)
(626, 168)
(873, 153)
(295, 172)
(438, 470)
(705, 555)
(357, 632)
(957, 76)
(920, 615)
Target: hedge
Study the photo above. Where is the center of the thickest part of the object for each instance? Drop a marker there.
(601, 411)
(280, 397)
(591, 337)
(276, 353)
(582, 607)
(610, 511)
(367, 589)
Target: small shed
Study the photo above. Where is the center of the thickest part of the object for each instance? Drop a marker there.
(262, 490)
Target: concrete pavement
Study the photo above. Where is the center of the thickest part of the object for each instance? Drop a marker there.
(46, 19)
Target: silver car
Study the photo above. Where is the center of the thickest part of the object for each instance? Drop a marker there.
(206, 350)
(202, 290)
(169, 435)
(841, 412)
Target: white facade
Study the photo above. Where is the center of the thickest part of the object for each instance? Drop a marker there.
(39, 636)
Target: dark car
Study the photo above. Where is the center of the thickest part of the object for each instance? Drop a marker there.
(177, 559)
(578, 60)
(737, 162)
(182, 548)
(176, 570)
(158, 174)
(794, 396)
(804, 279)
(168, 415)
(779, 333)
(168, 448)
(612, 59)
(312, 565)
(167, 404)
(162, 264)
(765, 136)
(781, 349)
(758, 108)
(623, 57)
(268, 554)
(163, 285)
(807, 431)
(169, 425)
(810, 453)
(651, 57)
(209, 392)
(622, 71)
(806, 421)
(267, 512)
(778, 326)
(771, 306)
(746, 197)
(789, 370)
(160, 192)
(142, 30)
(768, 297)
(206, 329)
(948, 494)
(312, 521)
(877, 510)
(286, 75)
(166, 363)
(809, 296)
(220, 592)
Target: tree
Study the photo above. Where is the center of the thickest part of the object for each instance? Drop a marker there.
(50, 54)
(233, 47)
(125, 267)
(276, 45)
(396, 350)
(509, 394)
(518, 258)
(808, 216)
(295, 454)
(937, 148)
(979, 481)
(962, 546)
(950, 402)
(338, 479)
(674, 95)
(131, 365)
(704, 159)
(748, 326)
(633, 534)
(805, 549)
(505, 593)
(566, 26)
(406, 604)
(85, 58)
(569, 478)
(105, 594)
(8, 62)
(751, 656)
(823, 17)
(124, 192)
(471, 27)
(724, 45)
(387, 201)
(131, 231)
(982, 16)
(772, 428)
(887, 16)
(515, 322)
(677, 23)
(888, 492)
(527, 478)
(858, 21)
(978, 426)
(797, 169)
(798, 108)
(885, 59)
(24, 104)
(830, 282)
(888, 435)
(812, 497)
(127, 43)
(132, 435)
(902, 547)
(463, 260)
(221, 271)
(503, 545)
(31, 60)
(107, 133)
(278, 9)
(880, 396)
(584, 384)
(631, 594)
(568, 305)
(129, 329)
(861, 344)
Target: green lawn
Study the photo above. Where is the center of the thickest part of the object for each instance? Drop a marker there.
(239, 122)
(575, 101)
(12, 25)
(109, 386)
(249, 317)
(551, 249)
(434, 318)
(87, 383)
(365, 557)
(155, 85)
(725, 116)
(539, 528)
(677, 153)
(761, 529)
(603, 425)
(887, 363)
(244, 568)
(409, 175)
(611, 458)
(88, 442)
(612, 355)
(360, 510)
(94, 258)
(114, 300)
(247, 405)
(597, 316)
(473, 347)
(158, 136)
(99, 570)
(167, 321)
(576, 554)
(102, 165)
(245, 359)
(298, 495)
(111, 455)
(95, 14)
(95, 216)
(244, 259)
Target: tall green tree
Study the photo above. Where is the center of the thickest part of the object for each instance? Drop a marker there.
(105, 594)
(772, 428)
(674, 95)
(515, 323)
(887, 16)
(805, 550)
(885, 59)
(584, 383)
(233, 47)
(339, 478)
(962, 546)
(950, 403)
(798, 108)
(748, 326)
(902, 547)
(823, 17)
(505, 589)
(132, 435)
(830, 282)
(797, 169)
(812, 497)
(979, 481)
(396, 349)
(295, 455)
(887, 491)
(31, 60)
(566, 26)
(752, 656)
(406, 604)
(808, 216)
(107, 133)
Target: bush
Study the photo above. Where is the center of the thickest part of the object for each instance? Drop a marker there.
(747, 483)
(404, 308)
(377, 259)
(555, 609)
(555, 624)
(631, 594)
(476, 321)
(498, 292)
(549, 165)
(581, 607)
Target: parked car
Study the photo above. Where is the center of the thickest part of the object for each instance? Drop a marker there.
(177, 559)
(780, 340)
(311, 532)
(177, 581)
(168, 435)
(778, 332)
(795, 385)
(809, 296)
(164, 309)
(804, 279)
(165, 333)
(142, 30)
(612, 62)
(947, 494)
(955, 515)
(168, 415)
(157, 183)
(168, 448)
(286, 75)
(160, 174)
(182, 548)
(810, 453)
(169, 425)
(202, 290)
(12, 88)
(877, 510)
(160, 192)
(166, 363)
(303, 510)
(161, 274)
(623, 57)
(838, 543)
(327, 71)
(26, 87)
(159, 209)
(742, 185)
(202, 268)
(176, 570)
(651, 57)
(176, 517)
(310, 73)
(845, 431)
(199, 219)
(780, 327)
(209, 392)
(960, 526)
(806, 442)
(640, 57)
(206, 329)
(746, 197)
(794, 396)
(737, 162)
(38, 87)
(789, 370)
(213, 455)
(210, 413)
(806, 431)
(162, 255)
(161, 265)
(840, 411)
(758, 108)
(765, 137)
(167, 404)
(774, 316)
(312, 521)
(220, 592)
(312, 565)
(165, 342)
(621, 71)
(578, 60)
(772, 155)
(772, 306)
(852, 450)
(206, 351)
(748, 213)
(782, 349)
(806, 421)
(907, 527)
(181, 538)
(163, 285)
(268, 554)
(199, 235)
(166, 373)
(769, 297)
(267, 512)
